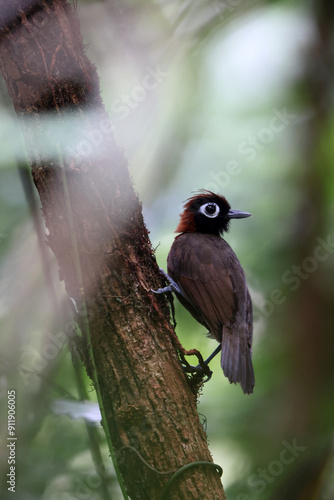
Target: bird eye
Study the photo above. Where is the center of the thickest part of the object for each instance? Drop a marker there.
(210, 210)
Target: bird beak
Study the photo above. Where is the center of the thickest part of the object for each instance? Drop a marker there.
(235, 214)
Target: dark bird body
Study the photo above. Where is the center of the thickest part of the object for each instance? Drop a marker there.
(212, 282)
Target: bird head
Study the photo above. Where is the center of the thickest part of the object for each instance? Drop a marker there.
(208, 213)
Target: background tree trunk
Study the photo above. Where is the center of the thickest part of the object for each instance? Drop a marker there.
(97, 233)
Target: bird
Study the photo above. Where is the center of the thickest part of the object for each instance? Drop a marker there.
(208, 280)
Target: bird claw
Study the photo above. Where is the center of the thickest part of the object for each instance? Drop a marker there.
(203, 367)
(204, 371)
(163, 290)
(200, 371)
(172, 287)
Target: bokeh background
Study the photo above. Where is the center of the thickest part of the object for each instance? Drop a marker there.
(236, 97)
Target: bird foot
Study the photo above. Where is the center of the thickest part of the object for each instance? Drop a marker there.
(201, 370)
(203, 366)
(172, 287)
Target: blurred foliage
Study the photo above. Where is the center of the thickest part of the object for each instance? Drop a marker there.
(232, 96)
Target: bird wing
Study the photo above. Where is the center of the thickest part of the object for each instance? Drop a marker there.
(208, 271)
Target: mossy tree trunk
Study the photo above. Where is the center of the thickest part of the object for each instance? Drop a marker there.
(96, 231)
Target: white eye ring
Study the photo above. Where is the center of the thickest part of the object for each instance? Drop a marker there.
(204, 210)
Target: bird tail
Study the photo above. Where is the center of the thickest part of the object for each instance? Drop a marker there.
(236, 360)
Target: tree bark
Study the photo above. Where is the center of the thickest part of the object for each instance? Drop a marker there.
(96, 231)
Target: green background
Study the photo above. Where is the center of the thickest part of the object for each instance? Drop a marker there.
(235, 97)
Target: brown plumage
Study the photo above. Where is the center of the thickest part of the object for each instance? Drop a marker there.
(212, 282)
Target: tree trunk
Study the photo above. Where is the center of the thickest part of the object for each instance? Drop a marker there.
(98, 236)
